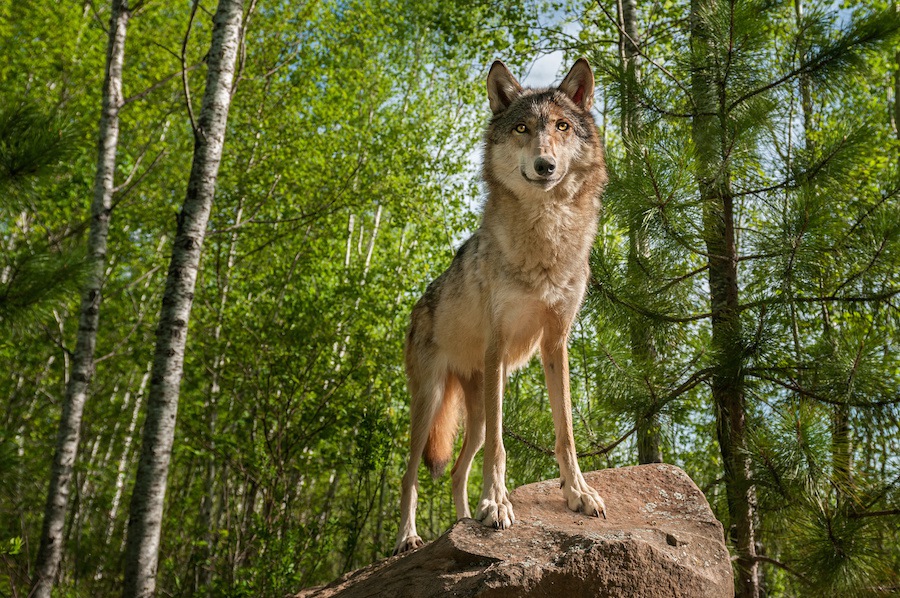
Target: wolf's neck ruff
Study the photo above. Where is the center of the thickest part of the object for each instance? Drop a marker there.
(547, 247)
(515, 286)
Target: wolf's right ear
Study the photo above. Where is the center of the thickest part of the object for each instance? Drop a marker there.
(502, 87)
(579, 84)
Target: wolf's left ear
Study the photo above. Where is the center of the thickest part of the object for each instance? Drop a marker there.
(502, 87)
(579, 84)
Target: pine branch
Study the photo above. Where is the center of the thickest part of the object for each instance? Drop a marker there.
(766, 559)
(868, 266)
(609, 294)
(526, 442)
(608, 448)
(884, 198)
(884, 513)
(797, 180)
(877, 29)
(672, 282)
(833, 298)
(544, 450)
(794, 386)
(882, 492)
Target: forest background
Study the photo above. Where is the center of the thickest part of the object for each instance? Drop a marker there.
(741, 322)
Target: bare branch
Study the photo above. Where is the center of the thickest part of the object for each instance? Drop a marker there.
(184, 68)
(122, 193)
(663, 69)
(141, 95)
(242, 47)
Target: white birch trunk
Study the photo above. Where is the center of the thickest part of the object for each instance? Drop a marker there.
(146, 510)
(50, 552)
(126, 456)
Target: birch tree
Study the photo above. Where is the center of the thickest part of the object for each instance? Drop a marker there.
(51, 547)
(146, 511)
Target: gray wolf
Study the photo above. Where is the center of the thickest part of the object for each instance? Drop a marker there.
(514, 286)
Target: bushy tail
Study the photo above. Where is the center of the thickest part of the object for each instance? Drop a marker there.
(439, 447)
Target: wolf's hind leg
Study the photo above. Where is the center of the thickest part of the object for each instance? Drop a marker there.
(426, 398)
(472, 442)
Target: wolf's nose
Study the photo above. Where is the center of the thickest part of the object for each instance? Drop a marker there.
(544, 166)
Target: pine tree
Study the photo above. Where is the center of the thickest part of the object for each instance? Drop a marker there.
(713, 137)
(643, 345)
(35, 275)
(761, 243)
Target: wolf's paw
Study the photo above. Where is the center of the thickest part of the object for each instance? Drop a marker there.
(584, 499)
(495, 510)
(408, 543)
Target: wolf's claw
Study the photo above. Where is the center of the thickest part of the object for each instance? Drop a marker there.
(584, 499)
(407, 544)
(496, 511)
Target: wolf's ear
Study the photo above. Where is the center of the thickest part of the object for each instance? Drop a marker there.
(579, 84)
(502, 87)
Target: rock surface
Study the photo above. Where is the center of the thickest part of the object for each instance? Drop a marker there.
(661, 540)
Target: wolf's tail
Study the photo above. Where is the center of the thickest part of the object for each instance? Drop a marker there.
(442, 434)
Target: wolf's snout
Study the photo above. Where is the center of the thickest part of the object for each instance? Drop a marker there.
(544, 166)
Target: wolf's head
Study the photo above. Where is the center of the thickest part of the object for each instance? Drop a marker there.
(539, 136)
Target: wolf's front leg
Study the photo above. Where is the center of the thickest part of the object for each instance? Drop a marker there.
(579, 496)
(494, 508)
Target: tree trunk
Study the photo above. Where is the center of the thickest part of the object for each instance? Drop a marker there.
(50, 552)
(805, 88)
(126, 455)
(712, 146)
(896, 115)
(146, 511)
(643, 349)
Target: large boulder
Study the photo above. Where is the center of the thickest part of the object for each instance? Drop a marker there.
(660, 540)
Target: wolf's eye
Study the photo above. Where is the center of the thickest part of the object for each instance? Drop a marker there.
(562, 125)
(520, 128)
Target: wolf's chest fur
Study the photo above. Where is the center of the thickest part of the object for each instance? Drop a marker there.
(544, 244)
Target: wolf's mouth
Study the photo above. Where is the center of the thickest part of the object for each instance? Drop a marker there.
(545, 182)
